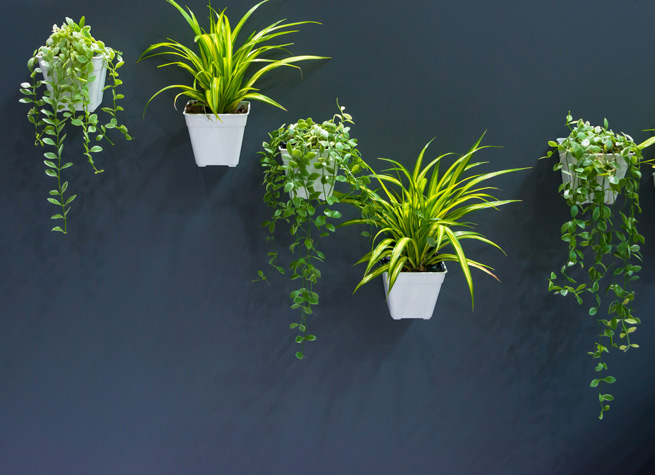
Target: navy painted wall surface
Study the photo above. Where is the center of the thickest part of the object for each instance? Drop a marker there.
(138, 344)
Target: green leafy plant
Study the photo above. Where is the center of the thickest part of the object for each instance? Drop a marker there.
(220, 68)
(299, 190)
(67, 58)
(419, 216)
(647, 143)
(603, 241)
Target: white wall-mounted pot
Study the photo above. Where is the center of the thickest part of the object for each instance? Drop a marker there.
(96, 86)
(214, 141)
(330, 169)
(568, 161)
(414, 294)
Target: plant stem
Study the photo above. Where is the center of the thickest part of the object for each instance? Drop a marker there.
(58, 143)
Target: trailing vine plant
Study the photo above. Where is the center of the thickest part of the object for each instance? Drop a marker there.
(597, 165)
(61, 98)
(302, 163)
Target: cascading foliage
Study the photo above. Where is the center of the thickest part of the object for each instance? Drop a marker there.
(67, 57)
(300, 192)
(603, 240)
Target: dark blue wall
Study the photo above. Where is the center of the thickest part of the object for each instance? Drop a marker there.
(138, 344)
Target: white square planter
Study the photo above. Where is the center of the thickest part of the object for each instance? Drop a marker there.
(414, 294)
(568, 175)
(329, 170)
(214, 141)
(96, 86)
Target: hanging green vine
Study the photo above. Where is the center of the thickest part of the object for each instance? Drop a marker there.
(299, 189)
(67, 60)
(603, 241)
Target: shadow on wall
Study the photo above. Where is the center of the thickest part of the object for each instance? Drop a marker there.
(166, 183)
(623, 455)
(558, 333)
(548, 348)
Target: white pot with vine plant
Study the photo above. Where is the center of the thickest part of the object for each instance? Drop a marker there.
(614, 164)
(296, 190)
(320, 166)
(74, 66)
(418, 220)
(96, 82)
(604, 245)
(310, 156)
(221, 90)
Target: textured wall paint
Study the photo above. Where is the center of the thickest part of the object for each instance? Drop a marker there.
(138, 344)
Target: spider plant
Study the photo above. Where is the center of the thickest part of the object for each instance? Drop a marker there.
(219, 68)
(419, 216)
(648, 142)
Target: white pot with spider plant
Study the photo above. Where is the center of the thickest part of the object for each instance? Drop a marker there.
(74, 66)
(221, 91)
(418, 222)
(300, 194)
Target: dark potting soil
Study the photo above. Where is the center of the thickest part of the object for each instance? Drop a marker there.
(198, 108)
(438, 267)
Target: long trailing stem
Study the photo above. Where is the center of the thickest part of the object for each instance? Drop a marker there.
(54, 124)
(88, 125)
(58, 128)
(307, 289)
